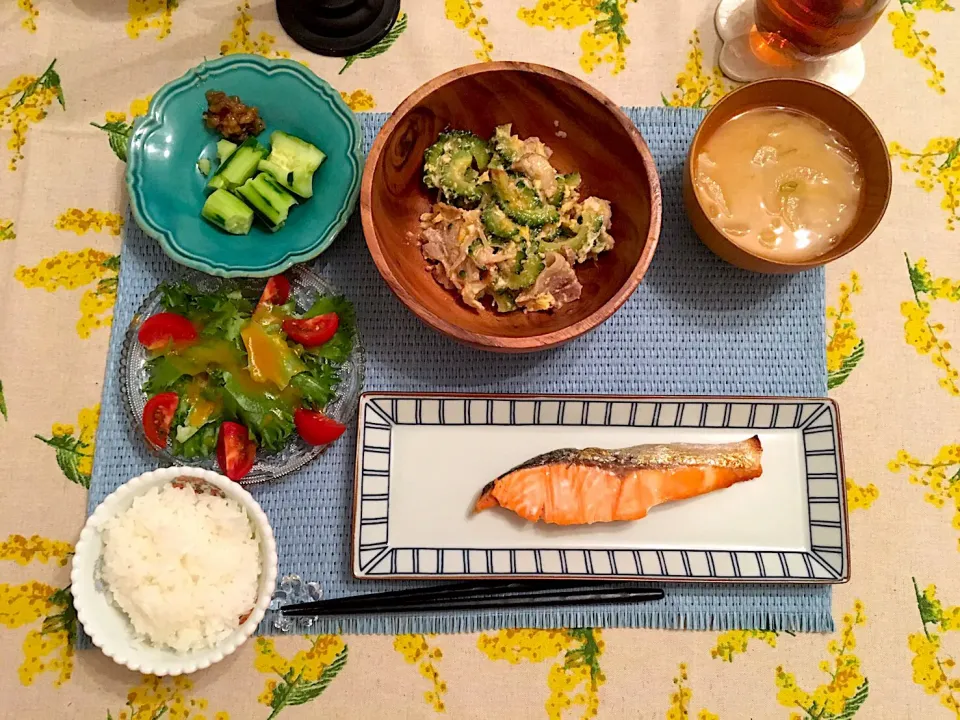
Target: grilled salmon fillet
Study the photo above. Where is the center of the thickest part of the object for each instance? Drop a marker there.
(578, 487)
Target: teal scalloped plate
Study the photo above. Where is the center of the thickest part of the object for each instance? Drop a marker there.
(167, 190)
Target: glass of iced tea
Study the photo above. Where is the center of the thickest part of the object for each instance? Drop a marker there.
(813, 39)
(815, 28)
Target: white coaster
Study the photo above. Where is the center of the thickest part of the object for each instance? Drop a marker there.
(738, 61)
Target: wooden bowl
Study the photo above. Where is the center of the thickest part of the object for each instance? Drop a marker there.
(595, 137)
(836, 110)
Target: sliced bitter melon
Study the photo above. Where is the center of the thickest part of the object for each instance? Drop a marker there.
(520, 201)
(526, 270)
(566, 185)
(588, 232)
(496, 222)
(453, 165)
(506, 145)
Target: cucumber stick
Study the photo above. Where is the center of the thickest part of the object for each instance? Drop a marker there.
(225, 149)
(292, 162)
(239, 167)
(228, 212)
(269, 200)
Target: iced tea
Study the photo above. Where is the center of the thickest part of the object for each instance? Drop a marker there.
(816, 27)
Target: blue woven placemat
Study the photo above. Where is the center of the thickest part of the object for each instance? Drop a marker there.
(695, 326)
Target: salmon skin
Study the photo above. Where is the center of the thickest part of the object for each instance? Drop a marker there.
(579, 487)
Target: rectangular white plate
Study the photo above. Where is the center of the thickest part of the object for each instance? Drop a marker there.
(422, 460)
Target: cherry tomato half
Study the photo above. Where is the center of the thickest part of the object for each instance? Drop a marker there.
(316, 428)
(236, 452)
(276, 291)
(163, 328)
(158, 417)
(312, 332)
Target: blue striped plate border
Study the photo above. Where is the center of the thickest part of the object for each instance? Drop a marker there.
(817, 419)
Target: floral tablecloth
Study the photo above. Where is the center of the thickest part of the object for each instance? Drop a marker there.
(74, 74)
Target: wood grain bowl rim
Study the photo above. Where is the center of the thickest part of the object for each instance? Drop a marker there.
(780, 265)
(504, 343)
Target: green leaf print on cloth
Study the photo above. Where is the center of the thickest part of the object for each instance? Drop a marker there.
(304, 676)
(296, 690)
(71, 452)
(119, 136)
(381, 47)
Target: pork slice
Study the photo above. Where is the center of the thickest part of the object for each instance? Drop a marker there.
(441, 239)
(539, 170)
(556, 286)
(490, 255)
(472, 288)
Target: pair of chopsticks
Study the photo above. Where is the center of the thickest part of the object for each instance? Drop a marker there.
(476, 596)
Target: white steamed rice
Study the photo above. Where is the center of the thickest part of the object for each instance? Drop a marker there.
(183, 566)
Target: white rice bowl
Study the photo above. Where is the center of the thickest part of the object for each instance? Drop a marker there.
(181, 605)
(183, 565)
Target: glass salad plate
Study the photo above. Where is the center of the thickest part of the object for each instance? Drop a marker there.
(305, 287)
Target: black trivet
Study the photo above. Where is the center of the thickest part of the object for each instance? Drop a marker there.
(337, 27)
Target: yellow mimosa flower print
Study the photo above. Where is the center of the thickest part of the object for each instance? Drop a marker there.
(934, 670)
(847, 689)
(150, 15)
(155, 697)
(48, 649)
(242, 39)
(680, 700)
(22, 550)
(464, 14)
(926, 336)
(938, 163)
(940, 476)
(734, 642)
(861, 497)
(696, 86)
(29, 23)
(6, 230)
(83, 221)
(75, 451)
(912, 42)
(46, 652)
(604, 43)
(359, 100)
(24, 604)
(24, 101)
(573, 681)
(844, 346)
(69, 270)
(415, 649)
(138, 107)
(65, 270)
(302, 678)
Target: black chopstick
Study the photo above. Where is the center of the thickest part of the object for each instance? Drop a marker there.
(531, 596)
(448, 591)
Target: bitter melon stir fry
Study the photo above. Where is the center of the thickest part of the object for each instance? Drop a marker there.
(507, 226)
(237, 372)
